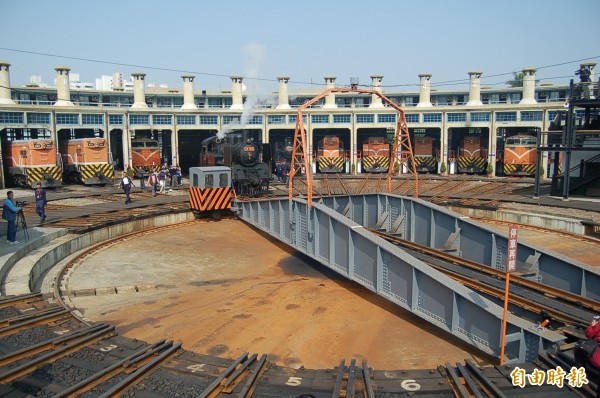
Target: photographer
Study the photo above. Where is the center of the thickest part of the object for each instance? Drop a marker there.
(9, 213)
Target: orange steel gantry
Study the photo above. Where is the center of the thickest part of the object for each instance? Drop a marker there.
(401, 154)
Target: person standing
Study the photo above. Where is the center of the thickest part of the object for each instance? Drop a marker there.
(162, 180)
(126, 184)
(141, 176)
(153, 181)
(9, 213)
(40, 202)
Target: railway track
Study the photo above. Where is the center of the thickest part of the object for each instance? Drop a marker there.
(79, 357)
(67, 358)
(549, 305)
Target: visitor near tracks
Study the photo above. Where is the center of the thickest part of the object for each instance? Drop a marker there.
(126, 184)
(40, 202)
(9, 213)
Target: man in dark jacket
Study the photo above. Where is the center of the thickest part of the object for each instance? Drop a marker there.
(40, 202)
(9, 213)
(126, 184)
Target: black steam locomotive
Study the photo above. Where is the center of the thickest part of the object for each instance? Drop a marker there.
(250, 175)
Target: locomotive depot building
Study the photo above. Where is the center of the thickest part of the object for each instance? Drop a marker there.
(180, 119)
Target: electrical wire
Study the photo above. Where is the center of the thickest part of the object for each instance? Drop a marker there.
(447, 82)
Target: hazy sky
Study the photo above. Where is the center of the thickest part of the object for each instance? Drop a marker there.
(305, 40)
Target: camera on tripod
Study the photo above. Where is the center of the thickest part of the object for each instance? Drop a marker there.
(21, 203)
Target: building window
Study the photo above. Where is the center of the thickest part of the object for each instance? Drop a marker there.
(11, 117)
(162, 119)
(292, 119)
(319, 119)
(412, 118)
(342, 119)
(480, 116)
(211, 120)
(115, 119)
(432, 118)
(276, 119)
(139, 119)
(223, 102)
(506, 116)
(258, 119)
(92, 119)
(531, 116)
(231, 120)
(366, 118)
(457, 117)
(67, 118)
(391, 118)
(186, 120)
(38, 118)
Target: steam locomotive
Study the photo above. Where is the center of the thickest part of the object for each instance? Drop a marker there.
(250, 175)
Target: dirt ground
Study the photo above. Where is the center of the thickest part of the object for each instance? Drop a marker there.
(224, 289)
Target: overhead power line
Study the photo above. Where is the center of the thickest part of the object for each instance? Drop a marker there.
(442, 83)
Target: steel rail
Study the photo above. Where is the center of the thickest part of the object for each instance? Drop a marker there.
(36, 363)
(26, 317)
(108, 373)
(501, 275)
(42, 320)
(584, 238)
(455, 383)
(142, 372)
(15, 356)
(213, 386)
(250, 384)
(26, 299)
(515, 299)
(366, 376)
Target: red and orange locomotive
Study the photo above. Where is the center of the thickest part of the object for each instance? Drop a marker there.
(520, 155)
(30, 161)
(375, 155)
(145, 153)
(86, 160)
(331, 156)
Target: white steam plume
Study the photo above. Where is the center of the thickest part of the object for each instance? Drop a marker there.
(255, 94)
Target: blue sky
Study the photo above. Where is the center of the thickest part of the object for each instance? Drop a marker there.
(305, 40)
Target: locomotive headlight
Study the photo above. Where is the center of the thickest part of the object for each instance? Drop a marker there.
(37, 145)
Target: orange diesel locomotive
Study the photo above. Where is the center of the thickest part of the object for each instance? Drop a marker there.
(145, 152)
(375, 155)
(330, 155)
(520, 153)
(425, 162)
(86, 160)
(28, 162)
(472, 156)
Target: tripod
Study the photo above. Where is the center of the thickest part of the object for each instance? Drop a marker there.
(20, 221)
